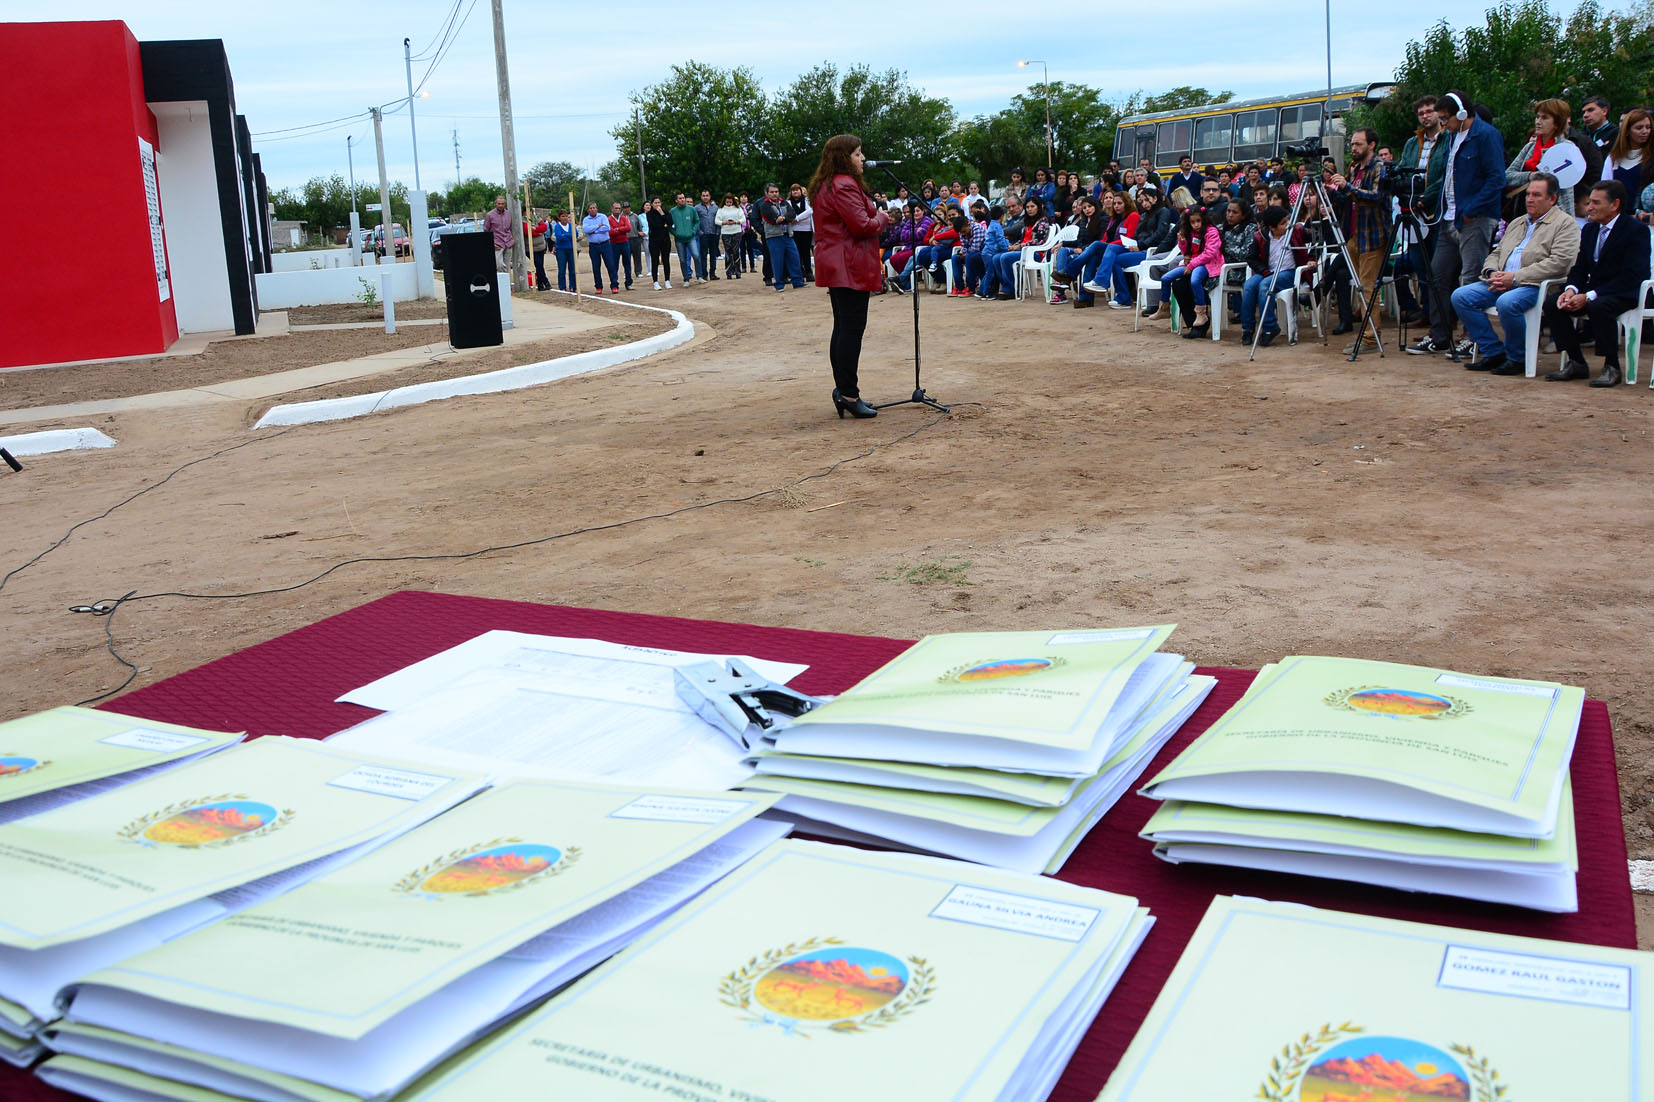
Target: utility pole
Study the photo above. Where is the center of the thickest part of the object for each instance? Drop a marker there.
(519, 266)
(407, 62)
(350, 163)
(456, 158)
(387, 238)
(637, 122)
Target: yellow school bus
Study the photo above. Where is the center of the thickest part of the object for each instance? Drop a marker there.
(1241, 131)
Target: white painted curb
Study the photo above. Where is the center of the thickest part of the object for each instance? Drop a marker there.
(55, 440)
(1642, 876)
(510, 378)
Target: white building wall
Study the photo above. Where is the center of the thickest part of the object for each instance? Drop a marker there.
(189, 206)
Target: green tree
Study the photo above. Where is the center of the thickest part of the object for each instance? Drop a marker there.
(470, 195)
(989, 146)
(703, 127)
(1521, 54)
(1178, 98)
(891, 117)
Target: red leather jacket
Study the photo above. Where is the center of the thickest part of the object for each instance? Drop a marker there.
(848, 224)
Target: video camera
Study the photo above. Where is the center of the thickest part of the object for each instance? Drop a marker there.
(1310, 149)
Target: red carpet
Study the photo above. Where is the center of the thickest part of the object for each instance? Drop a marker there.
(287, 686)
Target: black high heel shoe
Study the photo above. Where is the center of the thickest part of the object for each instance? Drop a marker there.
(855, 407)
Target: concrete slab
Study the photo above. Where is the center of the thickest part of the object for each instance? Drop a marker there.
(535, 321)
(55, 440)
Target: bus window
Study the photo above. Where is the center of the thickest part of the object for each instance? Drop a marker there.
(1173, 143)
(1213, 137)
(1255, 135)
(1298, 123)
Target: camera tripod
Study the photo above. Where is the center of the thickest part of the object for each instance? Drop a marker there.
(1329, 219)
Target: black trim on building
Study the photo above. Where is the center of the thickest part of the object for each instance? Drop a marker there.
(199, 70)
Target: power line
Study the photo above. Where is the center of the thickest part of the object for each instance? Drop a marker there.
(441, 32)
(308, 125)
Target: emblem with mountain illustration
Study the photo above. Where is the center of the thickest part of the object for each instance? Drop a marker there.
(820, 983)
(210, 821)
(487, 868)
(1342, 1064)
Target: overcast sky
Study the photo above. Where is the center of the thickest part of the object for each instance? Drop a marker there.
(305, 61)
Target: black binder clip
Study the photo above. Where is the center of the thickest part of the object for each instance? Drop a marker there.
(739, 702)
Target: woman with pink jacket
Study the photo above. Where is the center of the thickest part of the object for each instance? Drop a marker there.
(1202, 247)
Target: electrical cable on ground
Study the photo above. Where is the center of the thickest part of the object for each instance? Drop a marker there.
(107, 609)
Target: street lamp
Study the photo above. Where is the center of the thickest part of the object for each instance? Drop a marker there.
(1049, 160)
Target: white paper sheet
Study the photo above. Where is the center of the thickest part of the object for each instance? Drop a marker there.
(551, 664)
(562, 709)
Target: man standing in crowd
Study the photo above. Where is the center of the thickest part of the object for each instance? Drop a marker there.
(686, 231)
(620, 241)
(1599, 127)
(1611, 266)
(1366, 215)
(538, 236)
(778, 214)
(498, 223)
(596, 228)
(1539, 247)
(1186, 176)
(1473, 183)
(706, 265)
(1426, 150)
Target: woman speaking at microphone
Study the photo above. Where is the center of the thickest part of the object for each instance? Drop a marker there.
(847, 227)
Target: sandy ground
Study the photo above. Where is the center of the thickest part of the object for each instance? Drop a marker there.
(1399, 508)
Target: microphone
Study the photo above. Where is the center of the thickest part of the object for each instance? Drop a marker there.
(881, 164)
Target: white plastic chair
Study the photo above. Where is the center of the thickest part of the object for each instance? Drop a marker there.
(1532, 318)
(1218, 308)
(1631, 326)
(1171, 256)
(1037, 259)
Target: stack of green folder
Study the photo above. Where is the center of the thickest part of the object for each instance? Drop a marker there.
(1001, 748)
(1402, 776)
(357, 983)
(100, 879)
(1280, 1002)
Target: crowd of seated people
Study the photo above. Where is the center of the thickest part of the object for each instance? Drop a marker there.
(1485, 235)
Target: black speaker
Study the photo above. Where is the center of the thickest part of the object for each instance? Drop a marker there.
(473, 295)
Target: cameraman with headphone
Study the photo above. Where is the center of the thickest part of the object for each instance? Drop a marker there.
(1472, 188)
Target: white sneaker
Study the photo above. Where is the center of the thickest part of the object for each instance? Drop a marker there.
(657, 285)
(669, 285)
(1112, 305)
(1095, 288)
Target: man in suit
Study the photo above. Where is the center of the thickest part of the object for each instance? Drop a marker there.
(1612, 264)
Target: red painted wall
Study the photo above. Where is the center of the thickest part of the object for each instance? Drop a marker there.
(79, 284)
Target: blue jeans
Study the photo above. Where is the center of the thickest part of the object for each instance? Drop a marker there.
(1197, 282)
(689, 256)
(967, 271)
(565, 269)
(602, 254)
(1258, 288)
(1470, 300)
(706, 255)
(1002, 271)
(1112, 269)
(1086, 262)
(784, 263)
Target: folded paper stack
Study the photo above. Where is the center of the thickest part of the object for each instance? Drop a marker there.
(1403, 776)
(1002, 748)
(355, 984)
(1287, 1003)
(92, 882)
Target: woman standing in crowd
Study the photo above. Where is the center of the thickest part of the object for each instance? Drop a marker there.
(731, 226)
(1015, 192)
(562, 240)
(1628, 160)
(1062, 196)
(804, 227)
(660, 242)
(847, 259)
(1550, 125)
(1043, 190)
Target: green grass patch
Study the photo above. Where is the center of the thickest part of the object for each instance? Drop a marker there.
(948, 570)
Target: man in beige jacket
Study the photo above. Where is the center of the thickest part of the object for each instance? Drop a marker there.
(1539, 247)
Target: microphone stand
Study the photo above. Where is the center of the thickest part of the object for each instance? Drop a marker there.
(919, 396)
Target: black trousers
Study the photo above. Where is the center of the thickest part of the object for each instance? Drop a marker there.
(805, 240)
(1602, 314)
(660, 252)
(849, 323)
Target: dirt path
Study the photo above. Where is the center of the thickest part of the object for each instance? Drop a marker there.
(1401, 509)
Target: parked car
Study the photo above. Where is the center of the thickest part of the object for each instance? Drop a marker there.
(439, 232)
(374, 240)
